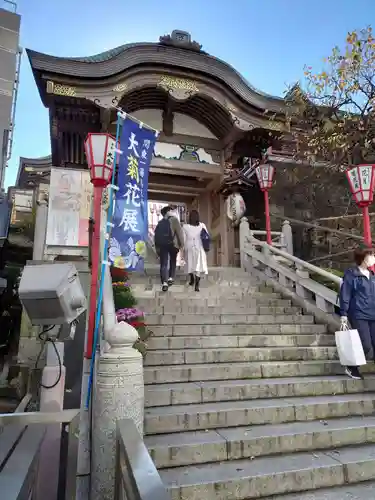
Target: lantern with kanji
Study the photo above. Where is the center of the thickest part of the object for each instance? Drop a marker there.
(235, 207)
(100, 152)
(265, 173)
(362, 183)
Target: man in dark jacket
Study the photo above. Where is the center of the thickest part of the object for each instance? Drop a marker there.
(357, 302)
(168, 242)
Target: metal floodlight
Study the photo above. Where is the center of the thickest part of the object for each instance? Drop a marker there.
(265, 173)
(100, 154)
(52, 293)
(362, 183)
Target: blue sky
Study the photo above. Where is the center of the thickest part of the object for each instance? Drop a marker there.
(268, 41)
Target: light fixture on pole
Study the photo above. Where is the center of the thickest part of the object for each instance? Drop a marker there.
(265, 173)
(362, 183)
(100, 152)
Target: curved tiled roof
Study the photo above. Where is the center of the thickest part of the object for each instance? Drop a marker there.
(43, 163)
(126, 56)
(106, 55)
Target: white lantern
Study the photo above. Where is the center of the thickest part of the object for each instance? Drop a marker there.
(100, 152)
(265, 173)
(235, 207)
(362, 183)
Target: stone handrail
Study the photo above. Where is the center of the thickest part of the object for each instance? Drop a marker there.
(291, 276)
(136, 475)
(278, 238)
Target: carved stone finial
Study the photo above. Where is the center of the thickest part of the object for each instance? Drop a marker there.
(121, 337)
(181, 39)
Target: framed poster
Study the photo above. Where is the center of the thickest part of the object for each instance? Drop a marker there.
(70, 195)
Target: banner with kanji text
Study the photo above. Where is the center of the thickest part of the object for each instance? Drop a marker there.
(127, 246)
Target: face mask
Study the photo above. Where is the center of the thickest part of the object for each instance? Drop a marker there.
(370, 260)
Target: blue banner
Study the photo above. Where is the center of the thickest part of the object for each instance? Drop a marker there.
(127, 248)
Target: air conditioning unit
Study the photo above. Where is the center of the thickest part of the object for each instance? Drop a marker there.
(52, 293)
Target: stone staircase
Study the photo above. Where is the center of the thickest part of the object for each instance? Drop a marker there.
(245, 397)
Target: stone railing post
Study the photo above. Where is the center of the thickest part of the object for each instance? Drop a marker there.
(301, 291)
(118, 393)
(267, 253)
(282, 242)
(244, 234)
(40, 229)
(288, 236)
(252, 247)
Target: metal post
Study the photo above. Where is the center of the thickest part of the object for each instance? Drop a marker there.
(268, 217)
(366, 227)
(51, 400)
(95, 251)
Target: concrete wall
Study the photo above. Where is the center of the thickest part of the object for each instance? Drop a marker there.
(9, 40)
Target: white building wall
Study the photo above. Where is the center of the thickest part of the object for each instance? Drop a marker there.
(185, 125)
(182, 124)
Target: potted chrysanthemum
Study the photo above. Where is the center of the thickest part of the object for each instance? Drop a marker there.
(136, 318)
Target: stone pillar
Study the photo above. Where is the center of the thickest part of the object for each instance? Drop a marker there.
(224, 229)
(40, 229)
(288, 236)
(118, 393)
(244, 234)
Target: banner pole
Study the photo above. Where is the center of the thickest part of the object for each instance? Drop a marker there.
(104, 263)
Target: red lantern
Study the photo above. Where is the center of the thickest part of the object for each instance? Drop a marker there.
(265, 173)
(362, 183)
(100, 152)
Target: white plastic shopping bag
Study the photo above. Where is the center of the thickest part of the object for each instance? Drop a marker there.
(349, 347)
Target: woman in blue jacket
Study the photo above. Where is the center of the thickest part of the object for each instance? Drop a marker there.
(357, 303)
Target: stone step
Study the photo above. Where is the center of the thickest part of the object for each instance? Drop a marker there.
(263, 477)
(238, 355)
(206, 342)
(213, 296)
(215, 310)
(361, 491)
(239, 371)
(239, 390)
(236, 329)
(176, 304)
(210, 279)
(234, 288)
(228, 319)
(204, 416)
(199, 447)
